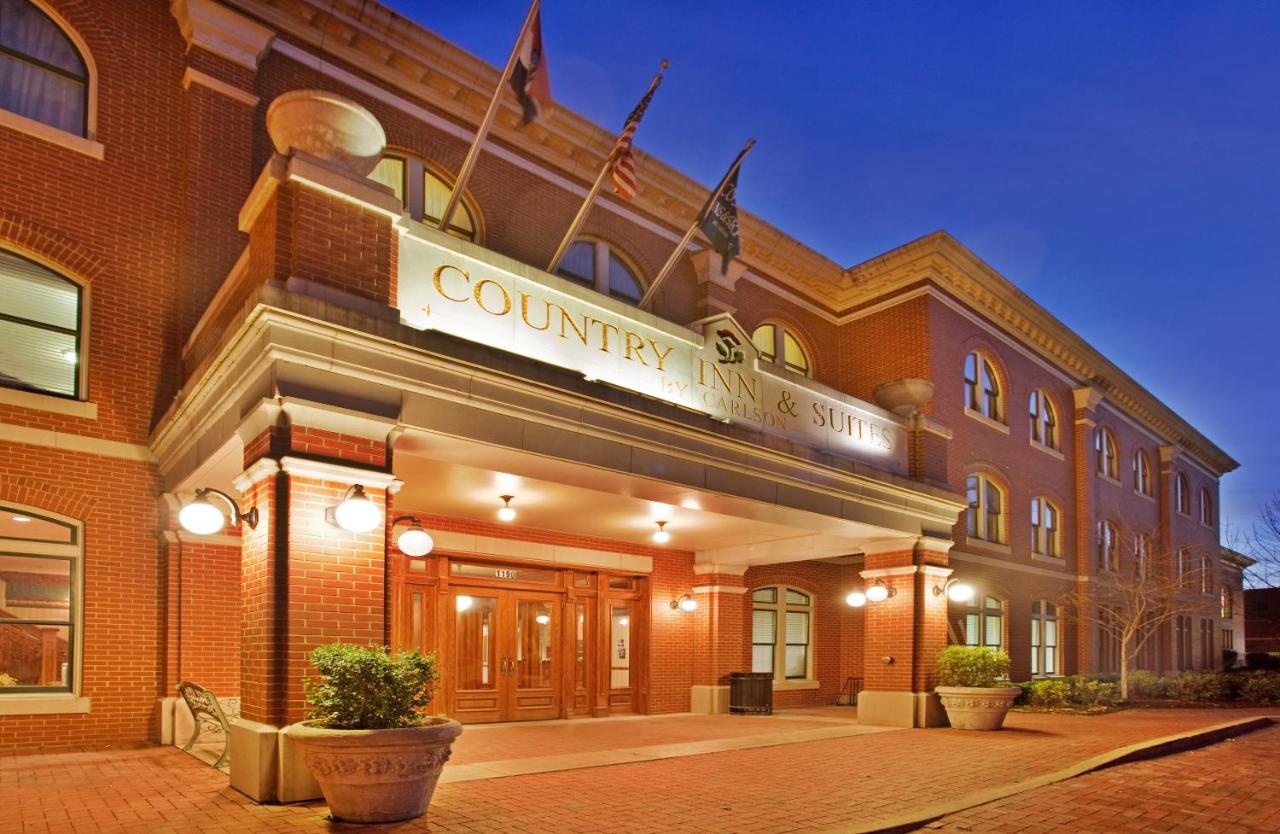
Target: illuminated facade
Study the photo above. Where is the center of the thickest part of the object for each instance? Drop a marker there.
(612, 509)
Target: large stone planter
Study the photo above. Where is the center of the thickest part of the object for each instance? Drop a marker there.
(977, 707)
(328, 126)
(377, 775)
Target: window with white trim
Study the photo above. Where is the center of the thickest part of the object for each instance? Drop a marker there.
(39, 601)
(598, 266)
(1108, 546)
(1044, 419)
(778, 346)
(982, 387)
(1104, 452)
(1184, 568)
(1141, 472)
(1044, 638)
(1142, 549)
(1206, 575)
(984, 622)
(1182, 494)
(781, 632)
(1045, 527)
(985, 518)
(1206, 507)
(424, 193)
(43, 76)
(40, 322)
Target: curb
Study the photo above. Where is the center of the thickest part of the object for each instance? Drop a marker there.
(1138, 751)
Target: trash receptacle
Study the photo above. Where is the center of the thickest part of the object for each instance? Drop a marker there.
(751, 692)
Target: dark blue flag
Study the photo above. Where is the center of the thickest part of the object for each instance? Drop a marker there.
(719, 220)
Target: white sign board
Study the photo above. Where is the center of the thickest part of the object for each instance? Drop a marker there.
(461, 289)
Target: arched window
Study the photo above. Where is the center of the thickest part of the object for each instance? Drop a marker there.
(1104, 452)
(1206, 575)
(1044, 420)
(403, 173)
(1141, 473)
(781, 632)
(985, 519)
(1044, 527)
(1108, 546)
(1044, 638)
(777, 345)
(1184, 568)
(597, 265)
(40, 585)
(40, 314)
(1182, 494)
(1206, 507)
(43, 76)
(982, 387)
(1142, 549)
(984, 622)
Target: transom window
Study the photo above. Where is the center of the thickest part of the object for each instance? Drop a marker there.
(984, 623)
(1044, 419)
(1044, 638)
(42, 74)
(1182, 494)
(1104, 452)
(778, 346)
(39, 328)
(1141, 472)
(1206, 507)
(982, 387)
(985, 518)
(597, 265)
(1044, 527)
(39, 599)
(1108, 546)
(425, 193)
(781, 620)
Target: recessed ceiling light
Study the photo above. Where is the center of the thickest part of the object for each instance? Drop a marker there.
(22, 519)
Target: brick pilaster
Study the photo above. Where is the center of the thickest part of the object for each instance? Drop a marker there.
(1085, 497)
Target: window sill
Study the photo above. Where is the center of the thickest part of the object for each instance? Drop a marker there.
(1049, 560)
(987, 421)
(991, 547)
(27, 703)
(1144, 495)
(1048, 450)
(1109, 479)
(48, 402)
(51, 134)
(788, 686)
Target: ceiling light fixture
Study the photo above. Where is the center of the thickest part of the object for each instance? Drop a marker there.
(201, 517)
(356, 513)
(661, 536)
(22, 519)
(415, 541)
(506, 513)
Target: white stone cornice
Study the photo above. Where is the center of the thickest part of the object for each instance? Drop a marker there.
(1086, 397)
(933, 544)
(704, 568)
(217, 29)
(257, 471)
(70, 442)
(217, 539)
(343, 473)
(204, 79)
(904, 545)
(898, 570)
(719, 589)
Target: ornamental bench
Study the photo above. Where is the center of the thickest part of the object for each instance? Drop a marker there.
(209, 716)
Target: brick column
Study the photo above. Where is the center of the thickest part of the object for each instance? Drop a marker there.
(904, 633)
(721, 618)
(1085, 656)
(927, 456)
(1166, 551)
(715, 288)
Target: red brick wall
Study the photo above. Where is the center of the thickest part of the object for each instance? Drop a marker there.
(204, 623)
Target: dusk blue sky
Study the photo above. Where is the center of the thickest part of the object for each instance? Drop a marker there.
(1117, 161)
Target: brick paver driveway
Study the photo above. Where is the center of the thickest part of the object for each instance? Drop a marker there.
(810, 786)
(1231, 786)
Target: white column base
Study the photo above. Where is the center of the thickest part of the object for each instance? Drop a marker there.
(164, 731)
(901, 709)
(254, 754)
(709, 700)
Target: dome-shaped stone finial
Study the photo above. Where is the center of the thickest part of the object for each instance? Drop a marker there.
(904, 397)
(327, 126)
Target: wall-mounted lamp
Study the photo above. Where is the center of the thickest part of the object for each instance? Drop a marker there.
(415, 541)
(879, 592)
(856, 599)
(201, 517)
(955, 590)
(661, 536)
(685, 602)
(505, 512)
(355, 513)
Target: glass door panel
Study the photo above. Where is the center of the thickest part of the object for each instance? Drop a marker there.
(477, 660)
(533, 677)
(619, 648)
(533, 644)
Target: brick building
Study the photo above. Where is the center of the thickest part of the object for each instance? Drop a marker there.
(200, 292)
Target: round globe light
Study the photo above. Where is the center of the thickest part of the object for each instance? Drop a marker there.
(543, 619)
(199, 516)
(661, 536)
(877, 593)
(960, 592)
(688, 604)
(356, 513)
(506, 514)
(462, 602)
(856, 599)
(415, 542)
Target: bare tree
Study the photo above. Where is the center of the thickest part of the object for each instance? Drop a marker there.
(1262, 544)
(1137, 591)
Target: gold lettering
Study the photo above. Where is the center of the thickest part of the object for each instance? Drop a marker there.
(438, 274)
(506, 299)
(524, 312)
(605, 327)
(565, 318)
(636, 347)
(818, 419)
(747, 385)
(661, 354)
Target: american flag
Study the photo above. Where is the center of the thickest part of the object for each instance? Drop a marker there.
(624, 161)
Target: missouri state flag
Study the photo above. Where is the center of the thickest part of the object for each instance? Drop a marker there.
(529, 78)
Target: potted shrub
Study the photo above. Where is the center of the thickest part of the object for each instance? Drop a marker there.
(368, 742)
(968, 678)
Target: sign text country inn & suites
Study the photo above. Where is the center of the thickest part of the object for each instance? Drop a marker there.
(457, 288)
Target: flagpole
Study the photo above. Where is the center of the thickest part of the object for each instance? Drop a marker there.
(688, 236)
(605, 169)
(473, 154)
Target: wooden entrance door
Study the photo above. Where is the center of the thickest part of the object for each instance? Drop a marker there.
(506, 658)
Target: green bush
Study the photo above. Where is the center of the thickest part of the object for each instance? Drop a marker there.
(1054, 693)
(1261, 688)
(1094, 693)
(971, 666)
(368, 688)
(1147, 684)
(1204, 686)
(1024, 692)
